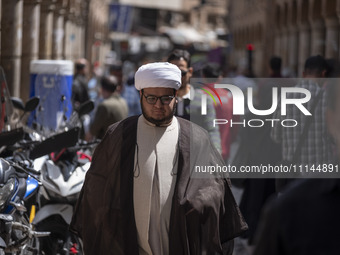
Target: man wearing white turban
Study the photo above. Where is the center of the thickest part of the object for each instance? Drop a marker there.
(140, 195)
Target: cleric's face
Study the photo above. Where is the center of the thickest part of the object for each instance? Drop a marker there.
(158, 105)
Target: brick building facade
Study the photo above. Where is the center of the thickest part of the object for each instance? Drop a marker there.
(49, 29)
(291, 29)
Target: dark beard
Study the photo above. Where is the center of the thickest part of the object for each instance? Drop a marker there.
(160, 122)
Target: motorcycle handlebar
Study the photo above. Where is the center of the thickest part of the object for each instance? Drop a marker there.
(83, 145)
(22, 167)
(27, 169)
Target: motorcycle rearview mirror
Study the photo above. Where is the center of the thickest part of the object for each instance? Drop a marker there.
(17, 103)
(85, 108)
(31, 104)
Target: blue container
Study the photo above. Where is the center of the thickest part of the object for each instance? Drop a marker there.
(51, 80)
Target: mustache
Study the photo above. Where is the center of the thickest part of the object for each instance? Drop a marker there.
(160, 122)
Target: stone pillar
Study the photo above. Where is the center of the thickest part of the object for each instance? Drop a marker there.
(58, 33)
(203, 19)
(79, 41)
(258, 59)
(318, 37)
(293, 36)
(277, 47)
(65, 45)
(270, 35)
(91, 28)
(11, 43)
(332, 37)
(284, 46)
(46, 29)
(69, 39)
(194, 20)
(30, 44)
(81, 33)
(293, 48)
(73, 40)
(304, 46)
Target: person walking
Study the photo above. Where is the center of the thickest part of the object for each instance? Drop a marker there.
(189, 98)
(315, 147)
(79, 86)
(141, 194)
(112, 109)
(304, 219)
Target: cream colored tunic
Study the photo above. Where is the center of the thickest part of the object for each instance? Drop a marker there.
(155, 176)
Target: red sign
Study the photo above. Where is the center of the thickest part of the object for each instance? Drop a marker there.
(250, 47)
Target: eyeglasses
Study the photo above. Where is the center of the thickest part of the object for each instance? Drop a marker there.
(164, 99)
(184, 72)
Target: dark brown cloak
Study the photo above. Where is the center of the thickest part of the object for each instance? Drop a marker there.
(204, 212)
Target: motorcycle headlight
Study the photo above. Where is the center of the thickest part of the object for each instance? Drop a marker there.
(6, 192)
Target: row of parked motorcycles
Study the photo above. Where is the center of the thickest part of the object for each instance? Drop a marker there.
(40, 181)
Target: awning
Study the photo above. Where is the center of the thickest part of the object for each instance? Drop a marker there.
(182, 35)
(185, 35)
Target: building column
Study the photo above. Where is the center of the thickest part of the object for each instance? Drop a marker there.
(90, 50)
(277, 42)
(270, 27)
(79, 41)
(11, 43)
(73, 42)
(46, 29)
(82, 41)
(194, 19)
(332, 37)
(293, 48)
(258, 58)
(58, 33)
(30, 46)
(65, 42)
(284, 46)
(318, 37)
(293, 37)
(69, 39)
(304, 46)
(203, 16)
(76, 40)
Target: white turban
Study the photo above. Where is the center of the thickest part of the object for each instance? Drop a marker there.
(159, 74)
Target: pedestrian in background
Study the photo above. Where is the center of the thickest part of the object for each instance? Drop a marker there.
(113, 108)
(190, 99)
(211, 74)
(131, 95)
(305, 218)
(316, 148)
(79, 86)
(275, 65)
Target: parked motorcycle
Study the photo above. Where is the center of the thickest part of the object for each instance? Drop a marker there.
(62, 177)
(17, 184)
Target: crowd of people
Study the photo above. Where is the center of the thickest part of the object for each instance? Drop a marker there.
(140, 196)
